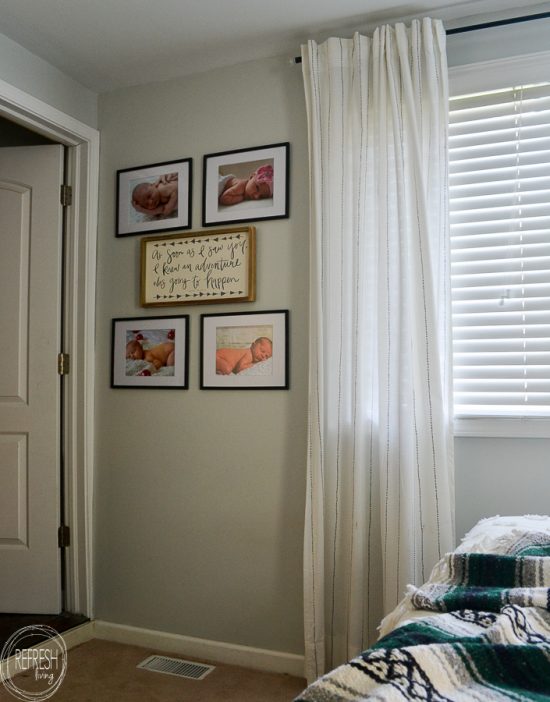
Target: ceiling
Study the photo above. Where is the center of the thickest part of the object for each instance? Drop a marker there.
(109, 44)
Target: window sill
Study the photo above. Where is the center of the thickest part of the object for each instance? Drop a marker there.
(508, 427)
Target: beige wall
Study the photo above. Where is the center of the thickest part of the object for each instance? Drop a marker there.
(200, 494)
(38, 78)
(500, 476)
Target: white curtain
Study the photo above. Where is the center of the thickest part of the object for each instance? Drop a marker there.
(380, 466)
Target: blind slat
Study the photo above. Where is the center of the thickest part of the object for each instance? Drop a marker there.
(501, 187)
(503, 305)
(501, 226)
(481, 138)
(514, 238)
(494, 175)
(510, 249)
(498, 372)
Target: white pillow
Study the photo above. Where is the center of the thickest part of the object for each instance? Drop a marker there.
(492, 534)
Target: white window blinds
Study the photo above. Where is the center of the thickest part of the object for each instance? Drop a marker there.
(500, 240)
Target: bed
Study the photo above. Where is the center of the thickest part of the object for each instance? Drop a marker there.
(479, 629)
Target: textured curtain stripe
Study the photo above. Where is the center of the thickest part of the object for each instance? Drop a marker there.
(355, 369)
(418, 472)
(339, 156)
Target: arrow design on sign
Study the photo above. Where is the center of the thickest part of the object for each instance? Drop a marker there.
(198, 294)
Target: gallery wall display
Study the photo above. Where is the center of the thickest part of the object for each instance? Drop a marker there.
(150, 352)
(244, 351)
(154, 198)
(245, 185)
(199, 267)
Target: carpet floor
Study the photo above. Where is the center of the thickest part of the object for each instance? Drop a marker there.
(101, 671)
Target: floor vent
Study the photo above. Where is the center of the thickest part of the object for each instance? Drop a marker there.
(176, 666)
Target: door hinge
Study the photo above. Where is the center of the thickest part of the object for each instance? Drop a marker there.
(63, 536)
(63, 363)
(66, 195)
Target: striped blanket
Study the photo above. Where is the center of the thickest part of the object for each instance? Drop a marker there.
(487, 639)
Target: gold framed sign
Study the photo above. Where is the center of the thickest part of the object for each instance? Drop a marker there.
(199, 267)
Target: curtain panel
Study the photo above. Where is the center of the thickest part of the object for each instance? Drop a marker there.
(379, 506)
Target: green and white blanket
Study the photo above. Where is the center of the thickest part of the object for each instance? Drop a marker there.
(490, 639)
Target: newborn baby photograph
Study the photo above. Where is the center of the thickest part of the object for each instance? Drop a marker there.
(244, 350)
(150, 352)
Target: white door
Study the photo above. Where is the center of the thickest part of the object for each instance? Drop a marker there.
(30, 303)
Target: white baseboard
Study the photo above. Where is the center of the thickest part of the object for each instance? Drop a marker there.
(78, 635)
(216, 651)
(72, 637)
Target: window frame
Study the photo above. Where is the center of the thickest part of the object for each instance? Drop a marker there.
(478, 77)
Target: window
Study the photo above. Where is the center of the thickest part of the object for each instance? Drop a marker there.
(500, 242)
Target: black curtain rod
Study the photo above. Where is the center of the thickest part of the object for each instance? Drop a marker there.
(497, 23)
(483, 25)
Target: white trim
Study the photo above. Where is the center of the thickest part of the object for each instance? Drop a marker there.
(73, 637)
(32, 113)
(78, 635)
(499, 73)
(216, 651)
(507, 427)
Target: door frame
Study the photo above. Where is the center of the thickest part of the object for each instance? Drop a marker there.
(80, 284)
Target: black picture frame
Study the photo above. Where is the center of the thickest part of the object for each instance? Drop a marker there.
(130, 334)
(133, 219)
(270, 166)
(228, 360)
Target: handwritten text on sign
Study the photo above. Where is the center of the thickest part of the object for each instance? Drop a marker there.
(214, 267)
